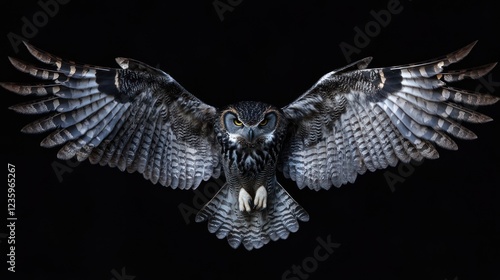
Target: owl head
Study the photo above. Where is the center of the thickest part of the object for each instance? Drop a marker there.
(251, 134)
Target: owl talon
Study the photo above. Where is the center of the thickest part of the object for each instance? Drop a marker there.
(245, 200)
(250, 203)
(261, 198)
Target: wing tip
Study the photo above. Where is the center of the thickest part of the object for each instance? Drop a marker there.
(466, 50)
(29, 47)
(123, 62)
(488, 68)
(15, 108)
(26, 43)
(39, 54)
(471, 44)
(459, 54)
(8, 86)
(482, 70)
(493, 99)
(27, 129)
(363, 63)
(19, 65)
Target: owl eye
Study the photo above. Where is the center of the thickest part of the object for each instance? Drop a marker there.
(237, 122)
(264, 122)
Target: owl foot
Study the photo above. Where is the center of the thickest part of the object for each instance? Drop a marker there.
(260, 198)
(245, 201)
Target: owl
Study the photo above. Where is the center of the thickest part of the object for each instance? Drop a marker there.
(352, 120)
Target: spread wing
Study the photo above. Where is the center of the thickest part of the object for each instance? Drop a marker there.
(356, 119)
(136, 118)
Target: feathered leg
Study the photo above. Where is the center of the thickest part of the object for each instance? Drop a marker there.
(255, 228)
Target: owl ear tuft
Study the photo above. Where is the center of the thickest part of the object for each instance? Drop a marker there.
(135, 65)
(123, 62)
(360, 64)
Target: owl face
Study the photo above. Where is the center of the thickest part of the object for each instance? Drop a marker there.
(250, 124)
(250, 134)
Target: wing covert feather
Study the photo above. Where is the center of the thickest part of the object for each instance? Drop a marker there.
(354, 120)
(136, 118)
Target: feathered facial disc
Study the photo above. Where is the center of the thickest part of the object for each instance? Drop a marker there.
(251, 134)
(251, 124)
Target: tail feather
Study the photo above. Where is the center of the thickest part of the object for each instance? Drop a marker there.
(253, 229)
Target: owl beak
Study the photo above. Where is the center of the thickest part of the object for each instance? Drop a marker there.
(250, 135)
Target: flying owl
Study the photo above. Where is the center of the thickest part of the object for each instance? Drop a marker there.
(353, 119)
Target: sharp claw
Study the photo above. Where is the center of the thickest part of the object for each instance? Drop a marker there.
(261, 198)
(250, 204)
(245, 201)
(257, 203)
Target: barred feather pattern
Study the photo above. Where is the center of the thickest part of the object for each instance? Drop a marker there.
(353, 120)
(254, 160)
(356, 119)
(257, 228)
(136, 118)
(248, 166)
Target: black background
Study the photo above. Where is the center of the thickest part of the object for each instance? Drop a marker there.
(440, 221)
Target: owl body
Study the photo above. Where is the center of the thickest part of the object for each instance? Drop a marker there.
(251, 208)
(354, 119)
(251, 135)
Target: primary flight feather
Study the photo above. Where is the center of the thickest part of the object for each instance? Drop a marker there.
(354, 119)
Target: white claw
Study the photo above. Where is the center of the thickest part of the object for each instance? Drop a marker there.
(261, 198)
(244, 200)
